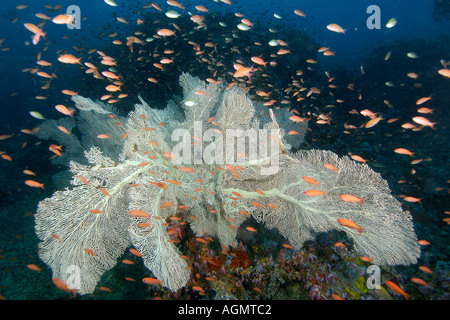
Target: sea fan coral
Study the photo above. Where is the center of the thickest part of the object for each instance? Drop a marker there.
(214, 160)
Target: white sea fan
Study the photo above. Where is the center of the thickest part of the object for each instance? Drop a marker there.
(91, 224)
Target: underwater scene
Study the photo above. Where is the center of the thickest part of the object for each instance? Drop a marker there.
(224, 150)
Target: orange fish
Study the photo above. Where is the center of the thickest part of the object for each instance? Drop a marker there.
(336, 28)
(314, 193)
(103, 136)
(242, 71)
(311, 181)
(6, 157)
(63, 129)
(371, 123)
(423, 242)
(251, 229)
(426, 269)
(419, 282)
(102, 190)
(33, 267)
(95, 211)
(259, 61)
(425, 110)
(61, 285)
(34, 184)
(135, 252)
(110, 75)
(351, 198)
(299, 13)
(139, 214)
(404, 151)
(165, 32)
(396, 289)
(297, 118)
(63, 19)
(187, 169)
(28, 172)
(357, 158)
(350, 224)
(330, 167)
(366, 259)
(151, 281)
(112, 88)
(64, 110)
(423, 100)
(38, 33)
(424, 122)
(411, 199)
(92, 253)
(444, 72)
(70, 59)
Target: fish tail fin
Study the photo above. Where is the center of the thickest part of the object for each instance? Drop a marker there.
(360, 230)
(361, 201)
(345, 31)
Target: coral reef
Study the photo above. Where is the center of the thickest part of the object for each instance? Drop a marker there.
(153, 167)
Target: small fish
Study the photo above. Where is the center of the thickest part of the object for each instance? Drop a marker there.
(33, 267)
(70, 59)
(419, 282)
(29, 172)
(299, 13)
(103, 136)
(63, 129)
(165, 32)
(34, 184)
(314, 193)
(111, 3)
(412, 55)
(330, 167)
(411, 199)
(311, 181)
(96, 211)
(425, 269)
(251, 229)
(358, 158)
(92, 253)
(351, 198)
(64, 110)
(425, 110)
(391, 23)
(336, 28)
(444, 72)
(151, 281)
(423, 100)
(371, 123)
(63, 19)
(404, 151)
(37, 115)
(350, 224)
(423, 242)
(396, 289)
(424, 122)
(139, 214)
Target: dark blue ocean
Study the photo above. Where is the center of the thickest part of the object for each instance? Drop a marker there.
(391, 55)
